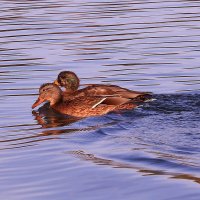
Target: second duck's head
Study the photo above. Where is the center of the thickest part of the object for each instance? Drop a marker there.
(67, 79)
(48, 92)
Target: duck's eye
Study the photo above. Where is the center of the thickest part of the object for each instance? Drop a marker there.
(44, 90)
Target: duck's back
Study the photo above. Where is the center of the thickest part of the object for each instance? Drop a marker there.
(105, 90)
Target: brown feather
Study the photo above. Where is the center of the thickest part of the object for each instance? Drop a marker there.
(70, 81)
(80, 106)
(103, 91)
(93, 100)
(83, 107)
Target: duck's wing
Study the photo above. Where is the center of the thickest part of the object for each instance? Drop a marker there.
(84, 107)
(110, 90)
(95, 101)
(93, 106)
(114, 101)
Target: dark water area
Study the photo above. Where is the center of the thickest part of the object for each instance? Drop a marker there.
(151, 152)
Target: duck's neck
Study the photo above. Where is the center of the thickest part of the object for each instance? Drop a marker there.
(56, 100)
(61, 107)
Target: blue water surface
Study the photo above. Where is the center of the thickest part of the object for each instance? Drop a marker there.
(151, 152)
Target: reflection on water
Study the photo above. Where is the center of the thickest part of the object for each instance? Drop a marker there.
(143, 171)
(147, 152)
(47, 117)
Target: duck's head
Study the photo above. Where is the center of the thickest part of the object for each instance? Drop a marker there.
(48, 92)
(67, 79)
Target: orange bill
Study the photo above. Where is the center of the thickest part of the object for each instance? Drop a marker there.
(56, 82)
(38, 102)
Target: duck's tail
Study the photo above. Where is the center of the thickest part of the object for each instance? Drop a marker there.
(142, 98)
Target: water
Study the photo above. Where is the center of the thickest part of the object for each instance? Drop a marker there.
(151, 152)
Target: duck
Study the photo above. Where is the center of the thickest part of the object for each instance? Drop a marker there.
(81, 106)
(70, 81)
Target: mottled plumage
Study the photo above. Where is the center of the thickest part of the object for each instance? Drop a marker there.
(71, 84)
(80, 106)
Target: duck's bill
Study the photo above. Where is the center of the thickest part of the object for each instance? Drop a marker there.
(56, 82)
(38, 102)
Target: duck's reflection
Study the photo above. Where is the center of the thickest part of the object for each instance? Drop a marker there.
(48, 118)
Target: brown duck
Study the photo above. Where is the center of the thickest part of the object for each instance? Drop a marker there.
(81, 105)
(70, 81)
